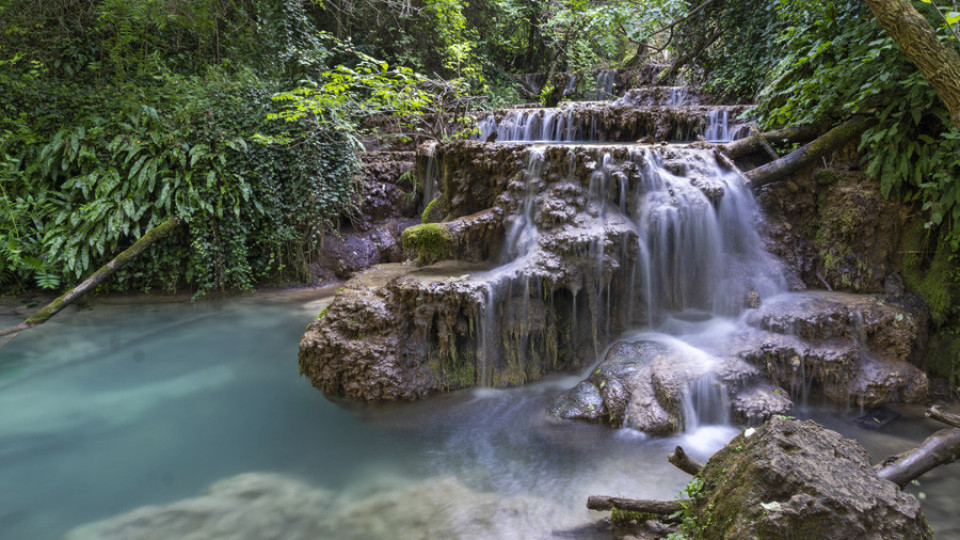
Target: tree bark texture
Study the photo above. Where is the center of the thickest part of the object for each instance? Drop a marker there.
(685, 463)
(938, 63)
(941, 448)
(97, 278)
(950, 419)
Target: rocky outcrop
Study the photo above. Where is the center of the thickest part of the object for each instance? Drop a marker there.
(856, 349)
(834, 228)
(387, 199)
(797, 480)
(851, 349)
(559, 218)
(664, 387)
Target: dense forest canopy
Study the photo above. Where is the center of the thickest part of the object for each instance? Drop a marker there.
(243, 117)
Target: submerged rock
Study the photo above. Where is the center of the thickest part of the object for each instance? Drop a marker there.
(791, 479)
(256, 506)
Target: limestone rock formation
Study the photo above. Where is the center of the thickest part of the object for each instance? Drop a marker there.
(856, 348)
(387, 200)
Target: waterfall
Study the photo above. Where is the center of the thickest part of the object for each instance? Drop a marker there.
(522, 234)
(430, 176)
(694, 250)
(706, 401)
(606, 80)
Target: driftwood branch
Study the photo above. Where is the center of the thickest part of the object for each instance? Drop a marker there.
(791, 163)
(937, 413)
(685, 463)
(742, 147)
(941, 448)
(97, 278)
(659, 508)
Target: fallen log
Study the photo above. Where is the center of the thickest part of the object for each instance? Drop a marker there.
(937, 413)
(826, 144)
(664, 509)
(941, 448)
(759, 141)
(96, 279)
(685, 463)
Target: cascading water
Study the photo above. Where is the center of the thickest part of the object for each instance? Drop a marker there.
(720, 129)
(531, 125)
(605, 83)
(688, 250)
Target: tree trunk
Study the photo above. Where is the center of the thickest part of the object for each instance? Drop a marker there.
(827, 144)
(748, 145)
(938, 63)
(941, 448)
(97, 278)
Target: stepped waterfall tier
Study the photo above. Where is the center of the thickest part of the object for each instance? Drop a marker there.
(537, 257)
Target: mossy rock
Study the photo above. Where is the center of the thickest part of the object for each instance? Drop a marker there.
(825, 177)
(429, 242)
(433, 212)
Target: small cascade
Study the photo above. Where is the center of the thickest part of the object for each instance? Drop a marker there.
(532, 125)
(706, 402)
(606, 80)
(581, 122)
(681, 95)
(719, 128)
(522, 233)
(571, 85)
(429, 176)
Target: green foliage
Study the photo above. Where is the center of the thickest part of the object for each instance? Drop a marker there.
(830, 61)
(139, 115)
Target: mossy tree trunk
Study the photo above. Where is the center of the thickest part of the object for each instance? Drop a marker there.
(97, 278)
(938, 63)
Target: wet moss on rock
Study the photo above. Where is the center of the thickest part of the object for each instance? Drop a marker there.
(430, 242)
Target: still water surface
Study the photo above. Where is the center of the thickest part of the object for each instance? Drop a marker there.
(116, 406)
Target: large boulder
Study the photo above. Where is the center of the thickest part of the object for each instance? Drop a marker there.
(788, 480)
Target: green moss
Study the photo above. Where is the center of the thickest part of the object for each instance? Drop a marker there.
(432, 214)
(938, 283)
(624, 517)
(825, 177)
(323, 312)
(943, 356)
(935, 281)
(431, 242)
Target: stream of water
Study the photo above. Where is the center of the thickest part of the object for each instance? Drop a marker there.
(114, 407)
